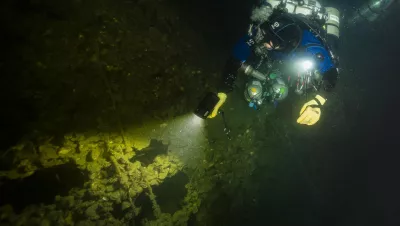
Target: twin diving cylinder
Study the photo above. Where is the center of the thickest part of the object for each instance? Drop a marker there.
(370, 11)
(312, 9)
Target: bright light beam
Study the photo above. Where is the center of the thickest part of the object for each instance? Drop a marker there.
(186, 137)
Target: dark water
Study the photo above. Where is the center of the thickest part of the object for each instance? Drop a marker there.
(170, 200)
(57, 80)
(41, 187)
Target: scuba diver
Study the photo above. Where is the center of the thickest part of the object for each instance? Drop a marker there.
(286, 49)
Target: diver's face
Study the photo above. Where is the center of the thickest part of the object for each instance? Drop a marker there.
(270, 45)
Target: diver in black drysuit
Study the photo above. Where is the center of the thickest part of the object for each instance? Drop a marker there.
(287, 38)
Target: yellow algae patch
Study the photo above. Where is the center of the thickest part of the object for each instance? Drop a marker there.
(140, 142)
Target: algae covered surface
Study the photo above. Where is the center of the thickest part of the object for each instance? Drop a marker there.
(97, 125)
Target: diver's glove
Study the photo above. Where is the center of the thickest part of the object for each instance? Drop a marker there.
(311, 111)
(222, 99)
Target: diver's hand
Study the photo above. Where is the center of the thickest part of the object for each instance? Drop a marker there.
(310, 113)
(222, 99)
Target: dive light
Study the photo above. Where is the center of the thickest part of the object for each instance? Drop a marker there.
(207, 105)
